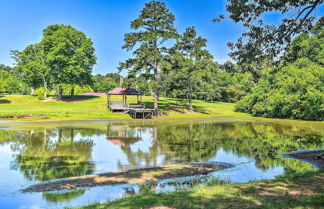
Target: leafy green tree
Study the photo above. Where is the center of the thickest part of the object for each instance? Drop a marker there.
(104, 83)
(189, 54)
(70, 55)
(33, 67)
(9, 81)
(294, 91)
(154, 27)
(307, 45)
(261, 40)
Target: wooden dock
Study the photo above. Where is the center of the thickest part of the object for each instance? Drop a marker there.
(141, 113)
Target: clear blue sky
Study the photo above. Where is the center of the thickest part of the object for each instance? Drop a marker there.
(105, 22)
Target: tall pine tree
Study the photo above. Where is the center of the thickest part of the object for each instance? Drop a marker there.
(152, 29)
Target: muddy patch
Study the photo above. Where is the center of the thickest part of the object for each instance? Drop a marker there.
(134, 176)
(314, 157)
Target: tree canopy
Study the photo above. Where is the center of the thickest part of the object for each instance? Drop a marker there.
(63, 56)
(294, 89)
(265, 40)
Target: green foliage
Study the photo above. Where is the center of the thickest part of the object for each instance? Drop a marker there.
(64, 56)
(295, 91)
(153, 28)
(189, 59)
(40, 91)
(261, 40)
(307, 45)
(105, 83)
(9, 83)
(69, 54)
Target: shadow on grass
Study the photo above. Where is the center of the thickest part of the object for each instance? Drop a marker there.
(176, 105)
(300, 192)
(4, 101)
(77, 98)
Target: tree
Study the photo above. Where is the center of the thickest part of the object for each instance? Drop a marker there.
(188, 52)
(294, 88)
(9, 81)
(33, 67)
(104, 83)
(262, 40)
(307, 45)
(154, 27)
(70, 55)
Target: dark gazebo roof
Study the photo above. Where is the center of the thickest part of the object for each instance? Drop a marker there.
(123, 91)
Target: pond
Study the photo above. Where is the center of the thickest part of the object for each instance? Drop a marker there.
(36, 152)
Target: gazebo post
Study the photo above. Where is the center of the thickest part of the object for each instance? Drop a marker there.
(137, 99)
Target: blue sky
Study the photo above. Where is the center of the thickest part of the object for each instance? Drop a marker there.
(105, 22)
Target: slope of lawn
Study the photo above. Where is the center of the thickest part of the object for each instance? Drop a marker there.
(95, 107)
(303, 190)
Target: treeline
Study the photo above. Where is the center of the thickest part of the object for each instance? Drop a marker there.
(294, 87)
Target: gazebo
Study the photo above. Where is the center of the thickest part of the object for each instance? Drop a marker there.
(117, 106)
(125, 92)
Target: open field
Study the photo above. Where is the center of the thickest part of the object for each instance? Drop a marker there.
(95, 107)
(303, 190)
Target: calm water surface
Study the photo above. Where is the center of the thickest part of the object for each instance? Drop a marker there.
(36, 152)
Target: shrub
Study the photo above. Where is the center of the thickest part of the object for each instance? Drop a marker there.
(40, 92)
(294, 91)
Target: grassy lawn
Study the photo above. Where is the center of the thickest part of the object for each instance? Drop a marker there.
(291, 191)
(95, 107)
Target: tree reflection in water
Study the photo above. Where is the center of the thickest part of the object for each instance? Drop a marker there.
(191, 142)
(43, 154)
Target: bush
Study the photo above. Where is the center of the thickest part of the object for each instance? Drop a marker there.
(39, 92)
(294, 91)
(40, 97)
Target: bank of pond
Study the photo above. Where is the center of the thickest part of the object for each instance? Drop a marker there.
(38, 153)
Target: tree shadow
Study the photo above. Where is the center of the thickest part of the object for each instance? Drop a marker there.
(4, 101)
(294, 193)
(176, 105)
(78, 98)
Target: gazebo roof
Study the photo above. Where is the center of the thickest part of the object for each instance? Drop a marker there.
(124, 91)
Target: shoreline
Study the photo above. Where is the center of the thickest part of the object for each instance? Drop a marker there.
(4, 121)
(313, 157)
(132, 176)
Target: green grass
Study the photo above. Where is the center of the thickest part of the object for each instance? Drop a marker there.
(303, 190)
(95, 107)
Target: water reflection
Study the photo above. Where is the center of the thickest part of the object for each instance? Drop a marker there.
(42, 154)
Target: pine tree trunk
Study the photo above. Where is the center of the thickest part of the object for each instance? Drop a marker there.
(155, 90)
(60, 92)
(190, 96)
(72, 91)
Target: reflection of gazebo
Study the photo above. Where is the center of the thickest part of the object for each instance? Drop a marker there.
(123, 135)
(125, 92)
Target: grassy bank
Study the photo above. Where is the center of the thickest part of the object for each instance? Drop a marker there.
(95, 107)
(290, 191)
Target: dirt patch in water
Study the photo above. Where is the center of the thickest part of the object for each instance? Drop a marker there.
(315, 157)
(134, 176)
